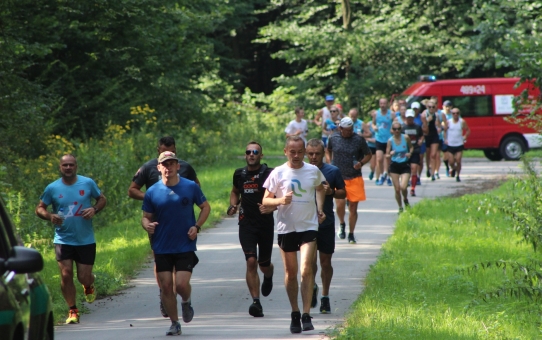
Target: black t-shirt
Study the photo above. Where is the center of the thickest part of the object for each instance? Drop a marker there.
(415, 133)
(345, 150)
(148, 174)
(251, 188)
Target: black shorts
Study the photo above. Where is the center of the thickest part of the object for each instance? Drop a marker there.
(399, 168)
(455, 149)
(260, 237)
(81, 254)
(414, 158)
(381, 146)
(431, 139)
(373, 150)
(293, 241)
(443, 146)
(181, 262)
(325, 240)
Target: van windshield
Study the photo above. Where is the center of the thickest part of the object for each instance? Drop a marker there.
(420, 99)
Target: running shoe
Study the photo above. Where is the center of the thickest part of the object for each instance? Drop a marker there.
(412, 192)
(307, 323)
(324, 305)
(437, 175)
(73, 316)
(163, 310)
(407, 203)
(267, 285)
(314, 300)
(295, 325)
(453, 173)
(342, 234)
(188, 311)
(418, 181)
(447, 173)
(371, 175)
(379, 181)
(174, 329)
(432, 178)
(90, 292)
(457, 179)
(400, 211)
(389, 182)
(351, 239)
(256, 309)
(428, 172)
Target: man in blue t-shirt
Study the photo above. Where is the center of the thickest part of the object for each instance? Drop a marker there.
(168, 216)
(325, 242)
(74, 240)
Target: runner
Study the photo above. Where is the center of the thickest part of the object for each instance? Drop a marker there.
(399, 150)
(418, 121)
(168, 215)
(349, 152)
(369, 135)
(415, 133)
(431, 123)
(298, 126)
(324, 114)
(256, 223)
(291, 187)
(74, 239)
(456, 139)
(325, 242)
(147, 175)
(446, 115)
(382, 121)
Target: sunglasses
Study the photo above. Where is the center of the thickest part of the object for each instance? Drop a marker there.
(254, 152)
(430, 107)
(455, 113)
(334, 110)
(396, 129)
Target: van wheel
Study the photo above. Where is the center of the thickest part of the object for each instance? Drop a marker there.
(493, 155)
(512, 148)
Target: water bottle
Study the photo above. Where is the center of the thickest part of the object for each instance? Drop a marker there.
(354, 160)
(61, 214)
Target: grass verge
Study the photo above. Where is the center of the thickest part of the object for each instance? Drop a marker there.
(421, 286)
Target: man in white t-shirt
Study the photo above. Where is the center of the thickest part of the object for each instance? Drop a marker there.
(298, 126)
(291, 187)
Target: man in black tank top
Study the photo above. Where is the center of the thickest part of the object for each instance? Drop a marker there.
(256, 223)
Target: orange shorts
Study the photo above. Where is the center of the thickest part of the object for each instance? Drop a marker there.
(355, 189)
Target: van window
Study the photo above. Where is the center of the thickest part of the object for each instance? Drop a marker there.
(472, 106)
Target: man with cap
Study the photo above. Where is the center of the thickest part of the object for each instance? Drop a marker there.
(168, 215)
(418, 121)
(325, 114)
(415, 133)
(349, 152)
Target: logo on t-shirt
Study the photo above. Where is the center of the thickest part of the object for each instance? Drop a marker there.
(298, 188)
(82, 192)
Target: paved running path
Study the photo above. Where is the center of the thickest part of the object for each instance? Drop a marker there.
(219, 294)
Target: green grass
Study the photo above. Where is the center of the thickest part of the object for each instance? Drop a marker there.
(480, 154)
(123, 247)
(420, 287)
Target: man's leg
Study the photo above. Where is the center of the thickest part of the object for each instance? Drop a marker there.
(326, 272)
(183, 286)
(252, 277)
(290, 277)
(66, 281)
(340, 208)
(379, 164)
(353, 216)
(307, 251)
(84, 274)
(168, 297)
(457, 159)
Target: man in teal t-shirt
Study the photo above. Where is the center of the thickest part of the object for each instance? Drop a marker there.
(74, 240)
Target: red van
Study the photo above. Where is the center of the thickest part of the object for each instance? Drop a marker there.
(484, 104)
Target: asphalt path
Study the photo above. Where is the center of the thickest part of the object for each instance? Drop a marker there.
(219, 293)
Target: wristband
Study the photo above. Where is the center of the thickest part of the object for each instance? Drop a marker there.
(197, 227)
(95, 210)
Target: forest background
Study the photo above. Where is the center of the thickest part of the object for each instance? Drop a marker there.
(105, 79)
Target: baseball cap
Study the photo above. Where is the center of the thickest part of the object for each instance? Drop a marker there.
(447, 103)
(346, 122)
(166, 155)
(415, 105)
(330, 97)
(410, 113)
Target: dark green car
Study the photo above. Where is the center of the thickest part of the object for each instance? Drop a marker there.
(25, 302)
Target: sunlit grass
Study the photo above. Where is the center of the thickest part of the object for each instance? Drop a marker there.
(420, 287)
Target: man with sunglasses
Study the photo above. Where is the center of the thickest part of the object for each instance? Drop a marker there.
(456, 136)
(349, 152)
(147, 175)
(168, 215)
(256, 223)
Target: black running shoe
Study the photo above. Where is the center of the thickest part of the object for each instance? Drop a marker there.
(428, 172)
(325, 307)
(267, 285)
(342, 233)
(452, 173)
(407, 204)
(307, 323)
(162, 309)
(188, 311)
(256, 309)
(295, 325)
(314, 300)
